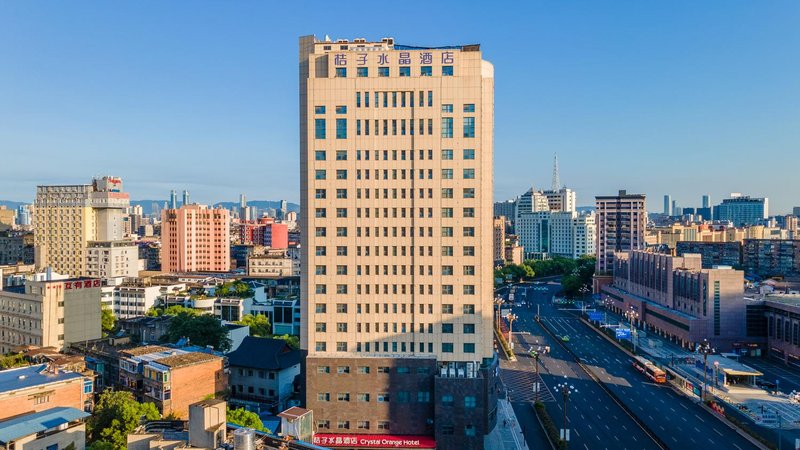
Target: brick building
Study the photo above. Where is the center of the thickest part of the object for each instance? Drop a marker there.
(41, 387)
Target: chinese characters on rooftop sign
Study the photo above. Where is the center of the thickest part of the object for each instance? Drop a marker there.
(81, 284)
(403, 58)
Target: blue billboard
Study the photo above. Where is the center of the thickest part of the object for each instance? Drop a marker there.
(596, 316)
(623, 333)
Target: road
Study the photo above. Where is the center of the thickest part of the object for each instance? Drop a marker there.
(596, 422)
(675, 419)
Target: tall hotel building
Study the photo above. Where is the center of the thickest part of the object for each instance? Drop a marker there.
(621, 221)
(79, 230)
(195, 238)
(396, 183)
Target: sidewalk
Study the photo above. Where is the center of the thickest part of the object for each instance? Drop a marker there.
(507, 435)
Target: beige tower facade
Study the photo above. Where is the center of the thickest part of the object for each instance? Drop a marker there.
(69, 220)
(396, 216)
(621, 222)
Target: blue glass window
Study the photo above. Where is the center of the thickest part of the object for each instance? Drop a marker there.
(469, 127)
(447, 347)
(405, 71)
(469, 153)
(341, 128)
(469, 107)
(469, 348)
(319, 128)
(319, 110)
(447, 127)
(362, 72)
(426, 71)
(341, 72)
(341, 110)
(383, 71)
(447, 71)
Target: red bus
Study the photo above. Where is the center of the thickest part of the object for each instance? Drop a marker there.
(649, 369)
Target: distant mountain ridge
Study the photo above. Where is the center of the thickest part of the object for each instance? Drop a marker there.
(11, 204)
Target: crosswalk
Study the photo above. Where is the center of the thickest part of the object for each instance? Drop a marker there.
(520, 386)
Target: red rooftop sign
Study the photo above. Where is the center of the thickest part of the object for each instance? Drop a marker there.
(373, 441)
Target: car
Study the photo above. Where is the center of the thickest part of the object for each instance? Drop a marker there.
(565, 338)
(766, 385)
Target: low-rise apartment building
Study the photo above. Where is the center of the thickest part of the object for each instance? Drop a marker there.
(41, 387)
(263, 373)
(50, 313)
(52, 429)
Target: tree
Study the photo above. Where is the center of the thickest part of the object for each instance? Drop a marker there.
(202, 330)
(291, 340)
(13, 360)
(259, 324)
(108, 320)
(245, 418)
(116, 415)
(238, 289)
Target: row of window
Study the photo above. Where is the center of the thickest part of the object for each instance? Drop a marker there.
(402, 193)
(403, 71)
(342, 327)
(345, 424)
(341, 174)
(341, 308)
(341, 250)
(321, 132)
(363, 370)
(342, 347)
(342, 289)
(343, 270)
(341, 155)
(447, 212)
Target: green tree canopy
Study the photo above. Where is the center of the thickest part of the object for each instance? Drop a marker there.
(291, 340)
(203, 330)
(116, 415)
(238, 289)
(173, 310)
(12, 360)
(108, 320)
(245, 418)
(259, 324)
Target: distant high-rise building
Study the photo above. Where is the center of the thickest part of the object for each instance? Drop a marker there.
(173, 199)
(796, 211)
(426, 330)
(674, 210)
(185, 197)
(742, 210)
(706, 201)
(507, 209)
(621, 222)
(667, 205)
(244, 211)
(499, 225)
(24, 215)
(559, 233)
(284, 209)
(80, 230)
(195, 238)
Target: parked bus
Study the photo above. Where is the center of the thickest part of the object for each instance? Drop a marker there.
(649, 369)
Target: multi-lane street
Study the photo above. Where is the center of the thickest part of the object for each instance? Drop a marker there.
(596, 420)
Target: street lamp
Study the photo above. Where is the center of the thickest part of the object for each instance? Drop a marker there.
(716, 376)
(566, 390)
(631, 314)
(535, 355)
(498, 302)
(705, 349)
(608, 303)
(511, 318)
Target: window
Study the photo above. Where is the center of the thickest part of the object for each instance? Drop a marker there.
(321, 347)
(362, 72)
(447, 400)
(341, 308)
(341, 212)
(321, 250)
(321, 308)
(321, 327)
(469, 153)
(446, 192)
(447, 270)
(469, 212)
(447, 289)
(341, 289)
(447, 154)
(319, 155)
(469, 231)
(341, 128)
(321, 270)
(469, 107)
(324, 369)
(469, 347)
(324, 424)
(321, 288)
(447, 107)
(447, 231)
(343, 424)
(469, 250)
(447, 308)
(383, 424)
(319, 128)
(363, 397)
(383, 397)
(447, 174)
(341, 250)
(469, 127)
(321, 232)
(363, 369)
(319, 110)
(469, 289)
(343, 397)
(469, 270)
(469, 430)
(341, 109)
(447, 212)
(341, 231)
(426, 71)
(383, 71)
(363, 425)
(469, 328)
(341, 72)
(405, 71)
(341, 174)
(341, 193)
(469, 192)
(320, 194)
(447, 127)
(341, 270)
(383, 369)
(341, 346)
(469, 309)
(319, 174)
(323, 397)
(423, 397)
(320, 213)
(447, 328)
(447, 71)
(447, 250)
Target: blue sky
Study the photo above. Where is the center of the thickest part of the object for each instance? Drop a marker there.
(683, 98)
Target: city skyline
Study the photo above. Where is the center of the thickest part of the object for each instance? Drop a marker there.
(615, 88)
